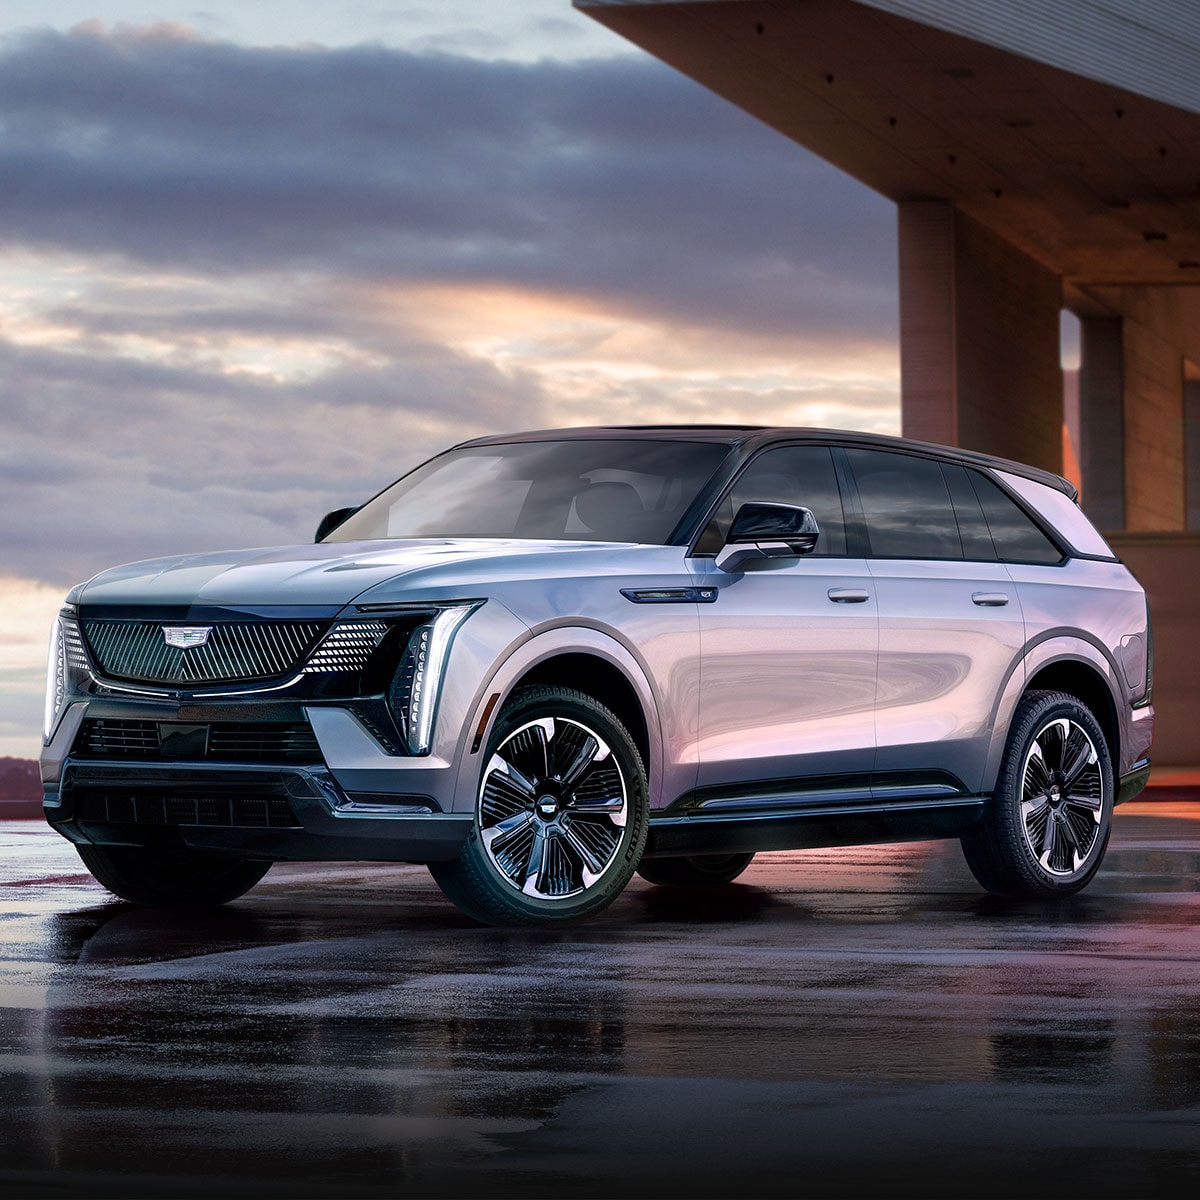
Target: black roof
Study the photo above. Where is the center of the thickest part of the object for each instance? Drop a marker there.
(753, 436)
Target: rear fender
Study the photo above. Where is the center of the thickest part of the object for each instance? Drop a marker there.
(1063, 648)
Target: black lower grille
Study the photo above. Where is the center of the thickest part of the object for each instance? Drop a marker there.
(123, 807)
(171, 741)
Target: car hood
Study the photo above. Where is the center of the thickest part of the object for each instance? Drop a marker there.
(333, 573)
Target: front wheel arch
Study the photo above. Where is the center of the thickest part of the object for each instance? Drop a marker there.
(601, 679)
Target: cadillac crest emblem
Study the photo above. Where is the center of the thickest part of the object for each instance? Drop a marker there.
(184, 637)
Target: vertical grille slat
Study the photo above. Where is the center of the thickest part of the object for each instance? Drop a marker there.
(235, 651)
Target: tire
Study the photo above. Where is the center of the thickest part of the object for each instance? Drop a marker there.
(696, 870)
(560, 814)
(1046, 830)
(171, 879)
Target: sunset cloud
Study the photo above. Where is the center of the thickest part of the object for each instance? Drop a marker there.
(241, 285)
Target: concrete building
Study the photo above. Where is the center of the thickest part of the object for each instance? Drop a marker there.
(1042, 154)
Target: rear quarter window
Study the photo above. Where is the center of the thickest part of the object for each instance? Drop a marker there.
(1062, 513)
(1014, 534)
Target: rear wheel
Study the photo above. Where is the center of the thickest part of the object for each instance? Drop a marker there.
(696, 870)
(1047, 828)
(167, 879)
(560, 814)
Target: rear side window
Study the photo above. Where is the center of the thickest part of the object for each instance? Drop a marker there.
(799, 475)
(906, 505)
(1016, 537)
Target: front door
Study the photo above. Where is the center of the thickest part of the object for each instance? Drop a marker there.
(788, 647)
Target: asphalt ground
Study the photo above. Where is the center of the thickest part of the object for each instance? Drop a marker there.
(838, 1023)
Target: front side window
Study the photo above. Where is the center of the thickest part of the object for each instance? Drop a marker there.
(585, 490)
(906, 504)
(803, 476)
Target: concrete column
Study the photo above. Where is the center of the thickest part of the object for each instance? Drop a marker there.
(979, 339)
(928, 327)
(1156, 333)
(1191, 443)
(1102, 420)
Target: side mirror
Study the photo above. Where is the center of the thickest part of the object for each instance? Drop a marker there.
(331, 520)
(768, 531)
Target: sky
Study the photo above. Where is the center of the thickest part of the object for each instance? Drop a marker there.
(258, 259)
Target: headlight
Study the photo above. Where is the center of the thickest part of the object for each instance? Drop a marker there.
(67, 668)
(417, 682)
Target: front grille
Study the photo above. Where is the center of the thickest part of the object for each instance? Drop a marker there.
(73, 644)
(123, 807)
(170, 741)
(347, 646)
(235, 650)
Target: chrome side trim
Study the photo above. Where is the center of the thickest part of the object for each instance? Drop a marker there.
(704, 595)
(390, 812)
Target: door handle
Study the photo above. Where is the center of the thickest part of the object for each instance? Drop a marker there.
(849, 595)
(990, 599)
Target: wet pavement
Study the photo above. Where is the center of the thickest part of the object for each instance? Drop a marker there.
(837, 1023)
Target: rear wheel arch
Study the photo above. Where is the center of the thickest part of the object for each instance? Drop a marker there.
(1081, 680)
(1062, 663)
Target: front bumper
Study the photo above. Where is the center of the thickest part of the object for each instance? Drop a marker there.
(264, 812)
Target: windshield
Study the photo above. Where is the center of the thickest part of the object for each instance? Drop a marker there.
(585, 490)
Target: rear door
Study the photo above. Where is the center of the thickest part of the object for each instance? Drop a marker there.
(950, 623)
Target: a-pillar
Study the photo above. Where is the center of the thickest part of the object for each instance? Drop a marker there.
(980, 364)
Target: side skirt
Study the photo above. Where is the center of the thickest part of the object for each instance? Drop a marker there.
(791, 827)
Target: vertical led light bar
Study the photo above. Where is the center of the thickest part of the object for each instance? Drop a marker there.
(56, 681)
(425, 658)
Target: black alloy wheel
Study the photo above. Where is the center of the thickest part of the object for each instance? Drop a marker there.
(560, 814)
(1047, 828)
(172, 879)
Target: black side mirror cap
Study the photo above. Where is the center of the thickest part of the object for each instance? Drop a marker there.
(769, 531)
(331, 520)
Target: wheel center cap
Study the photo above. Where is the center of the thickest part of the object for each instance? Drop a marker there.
(547, 806)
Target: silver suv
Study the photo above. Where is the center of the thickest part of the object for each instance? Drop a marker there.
(542, 662)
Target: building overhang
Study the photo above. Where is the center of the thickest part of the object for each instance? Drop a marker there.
(1093, 178)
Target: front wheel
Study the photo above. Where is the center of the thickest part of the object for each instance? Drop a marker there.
(168, 879)
(695, 870)
(560, 814)
(1047, 827)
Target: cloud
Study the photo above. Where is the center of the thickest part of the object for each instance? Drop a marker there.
(250, 284)
(240, 286)
(615, 178)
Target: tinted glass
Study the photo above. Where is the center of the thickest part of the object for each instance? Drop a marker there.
(906, 505)
(1061, 513)
(585, 490)
(1016, 537)
(972, 527)
(799, 475)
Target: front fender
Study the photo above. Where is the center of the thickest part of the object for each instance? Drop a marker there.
(538, 648)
